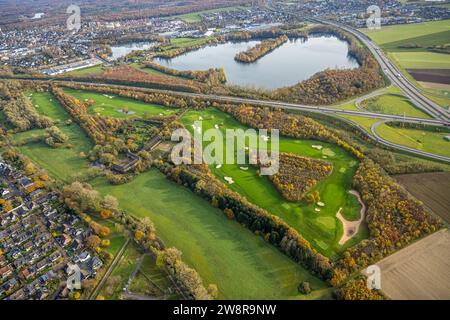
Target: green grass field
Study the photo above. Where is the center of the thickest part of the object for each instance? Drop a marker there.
(393, 104)
(424, 140)
(364, 122)
(395, 39)
(242, 265)
(112, 105)
(98, 69)
(195, 16)
(421, 60)
(122, 272)
(406, 32)
(61, 163)
(322, 229)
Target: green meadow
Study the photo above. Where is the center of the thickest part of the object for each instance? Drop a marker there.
(423, 140)
(112, 105)
(61, 163)
(393, 104)
(242, 265)
(406, 33)
(322, 228)
(195, 16)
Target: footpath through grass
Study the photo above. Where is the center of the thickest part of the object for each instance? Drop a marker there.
(322, 228)
(242, 265)
(112, 105)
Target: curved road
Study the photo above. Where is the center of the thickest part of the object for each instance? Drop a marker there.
(404, 148)
(331, 110)
(394, 74)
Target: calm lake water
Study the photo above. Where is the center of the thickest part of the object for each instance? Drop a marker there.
(122, 50)
(289, 64)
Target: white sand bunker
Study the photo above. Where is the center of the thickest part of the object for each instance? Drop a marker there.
(218, 166)
(243, 168)
(216, 126)
(318, 147)
(229, 180)
(351, 227)
(111, 97)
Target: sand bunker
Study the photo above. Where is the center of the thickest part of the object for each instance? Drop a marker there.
(351, 227)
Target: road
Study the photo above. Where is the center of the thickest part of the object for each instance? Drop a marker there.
(269, 103)
(394, 74)
(404, 148)
(108, 272)
(330, 110)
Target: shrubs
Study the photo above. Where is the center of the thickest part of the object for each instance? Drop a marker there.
(259, 221)
(260, 50)
(356, 289)
(394, 218)
(55, 137)
(304, 288)
(297, 175)
(187, 278)
(19, 111)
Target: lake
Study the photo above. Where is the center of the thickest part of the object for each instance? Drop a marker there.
(294, 61)
(119, 51)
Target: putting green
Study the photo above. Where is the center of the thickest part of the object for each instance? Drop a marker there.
(300, 215)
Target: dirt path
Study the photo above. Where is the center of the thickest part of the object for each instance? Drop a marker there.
(351, 227)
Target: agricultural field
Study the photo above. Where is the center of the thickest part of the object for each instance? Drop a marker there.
(224, 253)
(408, 46)
(61, 163)
(320, 226)
(425, 140)
(393, 104)
(420, 271)
(392, 36)
(430, 188)
(113, 105)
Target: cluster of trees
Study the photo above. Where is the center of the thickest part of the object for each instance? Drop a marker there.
(211, 76)
(394, 218)
(401, 164)
(356, 289)
(54, 137)
(125, 74)
(169, 52)
(19, 110)
(297, 175)
(82, 198)
(99, 129)
(290, 125)
(261, 49)
(274, 230)
(292, 31)
(186, 278)
(171, 101)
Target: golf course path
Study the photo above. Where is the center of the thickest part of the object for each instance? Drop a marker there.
(351, 227)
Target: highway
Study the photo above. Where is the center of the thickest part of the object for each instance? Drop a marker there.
(394, 74)
(272, 104)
